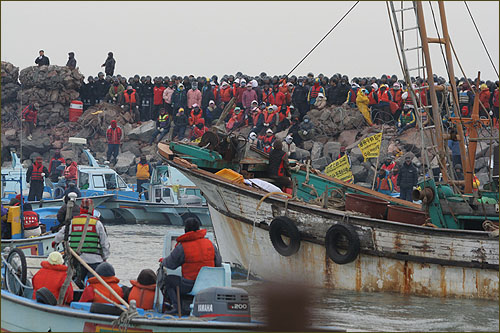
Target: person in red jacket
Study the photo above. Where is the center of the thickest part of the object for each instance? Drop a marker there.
(495, 106)
(52, 276)
(192, 251)
(92, 291)
(484, 98)
(143, 290)
(114, 136)
(199, 129)
(157, 98)
(35, 176)
(225, 93)
(29, 117)
(71, 171)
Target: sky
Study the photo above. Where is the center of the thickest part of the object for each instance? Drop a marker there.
(205, 38)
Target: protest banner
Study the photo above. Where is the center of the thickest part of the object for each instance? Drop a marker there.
(340, 169)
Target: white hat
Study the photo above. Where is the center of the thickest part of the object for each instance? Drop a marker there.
(269, 131)
(254, 83)
(254, 101)
(211, 102)
(289, 84)
(396, 85)
(375, 86)
(288, 139)
(225, 84)
(321, 95)
(55, 258)
(195, 105)
(249, 85)
(243, 80)
(212, 83)
(237, 81)
(275, 107)
(354, 85)
(253, 136)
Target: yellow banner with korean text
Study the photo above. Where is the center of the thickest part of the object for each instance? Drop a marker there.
(340, 169)
(370, 146)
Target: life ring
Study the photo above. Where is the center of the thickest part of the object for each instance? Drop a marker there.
(332, 237)
(280, 226)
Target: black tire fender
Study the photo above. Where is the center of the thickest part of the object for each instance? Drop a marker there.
(353, 246)
(45, 296)
(282, 225)
(104, 308)
(21, 272)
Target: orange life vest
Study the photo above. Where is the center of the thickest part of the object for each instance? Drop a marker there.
(36, 174)
(371, 98)
(255, 117)
(268, 117)
(383, 96)
(130, 98)
(283, 115)
(112, 281)
(198, 252)
(143, 295)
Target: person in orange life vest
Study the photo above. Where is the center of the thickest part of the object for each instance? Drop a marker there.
(397, 100)
(276, 97)
(162, 126)
(279, 169)
(192, 252)
(495, 103)
(238, 90)
(52, 276)
(35, 175)
(106, 271)
(157, 98)
(225, 93)
(196, 115)
(199, 129)
(289, 93)
(373, 96)
(114, 136)
(54, 172)
(383, 184)
(314, 91)
(475, 183)
(269, 120)
(284, 115)
(388, 164)
(266, 142)
(235, 120)
(384, 103)
(257, 120)
(29, 117)
(130, 104)
(143, 290)
(352, 94)
(142, 175)
(484, 99)
(393, 175)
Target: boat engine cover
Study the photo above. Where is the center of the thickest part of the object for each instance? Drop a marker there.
(222, 304)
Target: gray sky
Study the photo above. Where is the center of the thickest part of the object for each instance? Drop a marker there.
(205, 38)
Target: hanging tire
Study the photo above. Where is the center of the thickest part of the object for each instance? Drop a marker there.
(283, 226)
(17, 260)
(45, 296)
(351, 240)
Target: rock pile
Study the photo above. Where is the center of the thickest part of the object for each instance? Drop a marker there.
(10, 84)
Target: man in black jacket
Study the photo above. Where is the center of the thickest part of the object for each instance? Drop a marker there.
(71, 60)
(279, 169)
(180, 124)
(101, 88)
(109, 64)
(42, 60)
(408, 177)
(87, 93)
(299, 98)
(146, 93)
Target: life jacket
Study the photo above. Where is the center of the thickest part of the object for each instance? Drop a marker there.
(114, 135)
(281, 168)
(163, 120)
(198, 252)
(198, 133)
(313, 93)
(36, 174)
(267, 149)
(29, 114)
(143, 295)
(384, 184)
(352, 95)
(282, 115)
(383, 96)
(268, 140)
(407, 118)
(91, 244)
(396, 95)
(112, 281)
(225, 94)
(130, 98)
(373, 97)
(193, 119)
(52, 277)
(142, 171)
(495, 98)
(70, 172)
(268, 117)
(463, 97)
(255, 117)
(30, 220)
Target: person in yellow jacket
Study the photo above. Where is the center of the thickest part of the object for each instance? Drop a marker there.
(143, 174)
(362, 102)
(475, 183)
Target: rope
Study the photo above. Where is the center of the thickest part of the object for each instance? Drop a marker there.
(336, 24)
(481, 37)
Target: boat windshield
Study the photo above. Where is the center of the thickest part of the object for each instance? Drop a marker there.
(83, 180)
(110, 181)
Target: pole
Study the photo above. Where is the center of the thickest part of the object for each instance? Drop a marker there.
(378, 157)
(436, 112)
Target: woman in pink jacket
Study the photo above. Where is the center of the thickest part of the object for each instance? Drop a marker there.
(193, 95)
(249, 95)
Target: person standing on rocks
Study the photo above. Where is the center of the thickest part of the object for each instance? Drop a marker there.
(101, 88)
(42, 60)
(129, 104)
(109, 64)
(142, 175)
(71, 60)
(157, 98)
(114, 136)
(29, 117)
(35, 175)
(407, 179)
(87, 93)
(315, 90)
(162, 126)
(115, 91)
(180, 124)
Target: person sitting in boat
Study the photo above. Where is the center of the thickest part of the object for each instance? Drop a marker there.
(16, 201)
(55, 162)
(143, 290)
(52, 276)
(383, 184)
(61, 213)
(95, 290)
(71, 171)
(388, 164)
(279, 169)
(193, 251)
(72, 188)
(143, 174)
(35, 176)
(96, 245)
(6, 230)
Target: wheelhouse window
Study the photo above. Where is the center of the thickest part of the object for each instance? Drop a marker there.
(98, 181)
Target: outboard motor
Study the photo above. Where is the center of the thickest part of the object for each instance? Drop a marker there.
(222, 304)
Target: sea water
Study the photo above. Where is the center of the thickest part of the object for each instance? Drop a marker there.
(135, 247)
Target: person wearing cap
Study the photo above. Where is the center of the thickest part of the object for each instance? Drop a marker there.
(299, 97)
(179, 99)
(408, 177)
(109, 64)
(352, 94)
(266, 143)
(257, 117)
(180, 124)
(192, 252)
(195, 115)
(465, 96)
(72, 188)
(167, 97)
(61, 213)
(29, 119)
(101, 88)
(92, 292)
(388, 164)
(306, 129)
(42, 60)
(207, 94)
(269, 118)
(314, 91)
(225, 93)
(212, 112)
(248, 97)
(35, 176)
(199, 129)
(484, 99)
(87, 93)
(143, 290)
(158, 102)
(320, 103)
(397, 93)
(52, 276)
(289, 146)
(393, 175)
(238, 89)
(279, 169)
(96, 247)
(55, 162)
(114, 135)
(236, 118)
(162, 126)
(71, 60)
(383, 183)
(130, 99)
(253, 140)
(406, 119)
(146, 93)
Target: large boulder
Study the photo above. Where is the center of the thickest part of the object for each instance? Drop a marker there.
(316, 150)
(319, 163)
(331, 150)
(51, 77)
(132, 146)
(348, 137)
(143, 132)
(40, 143)
(124, 161)
(481, 163)
(359, 172)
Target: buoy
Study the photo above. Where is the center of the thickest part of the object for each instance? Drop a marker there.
(75, 110)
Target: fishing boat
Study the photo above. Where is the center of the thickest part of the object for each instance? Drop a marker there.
(332, 234)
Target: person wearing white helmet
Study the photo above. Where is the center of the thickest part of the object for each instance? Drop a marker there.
(253, 139)
(289, 146)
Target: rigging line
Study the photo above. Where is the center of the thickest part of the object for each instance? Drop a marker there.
(481, 37)
(336, 24)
